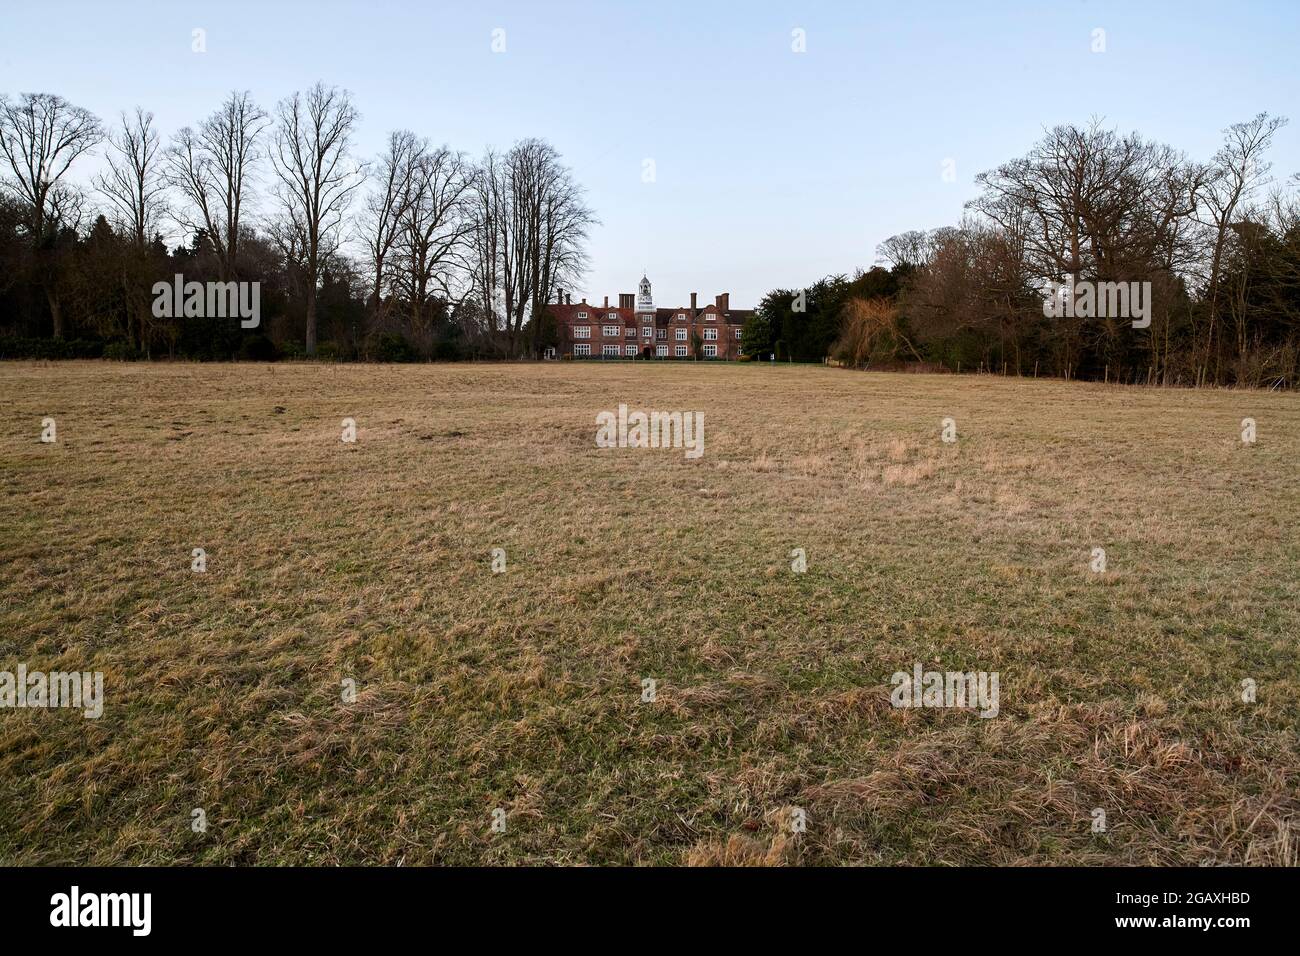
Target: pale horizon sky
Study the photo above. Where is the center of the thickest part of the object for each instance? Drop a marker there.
(772, 168)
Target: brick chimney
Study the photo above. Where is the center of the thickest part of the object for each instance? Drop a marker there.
(723, 302)
(584, 300)
(693, 306)
(560, 299)
(606, 302)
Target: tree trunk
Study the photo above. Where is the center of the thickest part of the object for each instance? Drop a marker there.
(311, 318)
(56, 312)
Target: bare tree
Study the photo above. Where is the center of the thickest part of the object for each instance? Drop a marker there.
(1174, 250)
(1092, 205)
(134, 186)
(317, 177)
(1075, 199)
(907, 250)
(560, 257)
(41, 135)
(134, 183)
(385, 208)
(491, 267)
(434, 231)
(213, 168)
(1235, 172)
(976, 279)
(1282, 214)
(531, 225)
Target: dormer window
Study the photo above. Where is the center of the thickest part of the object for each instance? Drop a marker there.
(582, 315)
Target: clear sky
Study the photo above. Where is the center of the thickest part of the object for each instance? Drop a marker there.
(771, 167)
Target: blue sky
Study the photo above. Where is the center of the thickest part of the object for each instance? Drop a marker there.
(772, 168)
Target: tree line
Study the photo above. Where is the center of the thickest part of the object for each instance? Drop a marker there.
(425, 252)
(421, 251)
(1086, 207)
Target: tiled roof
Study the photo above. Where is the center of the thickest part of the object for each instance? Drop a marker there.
(664, 316)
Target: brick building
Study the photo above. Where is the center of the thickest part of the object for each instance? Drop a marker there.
(635, 328)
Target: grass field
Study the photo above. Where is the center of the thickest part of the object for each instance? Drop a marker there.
(522, 690)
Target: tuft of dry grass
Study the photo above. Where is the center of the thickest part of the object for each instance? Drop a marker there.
(522, 691)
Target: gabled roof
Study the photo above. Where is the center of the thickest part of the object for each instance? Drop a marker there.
(595, 313)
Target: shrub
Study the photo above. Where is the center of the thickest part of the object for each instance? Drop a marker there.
(22, 347)
(393, 347)
(257, 348)
(445, 351)
(121, 352)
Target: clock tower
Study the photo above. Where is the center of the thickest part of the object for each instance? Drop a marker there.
(644, 300)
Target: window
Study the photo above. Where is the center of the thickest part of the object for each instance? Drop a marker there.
(630, 332)
(629, 350)
(710, 351)
(680, 351)
(710, 335)
(612, 316)
(661, 350)
(582, 315)
(681, 335)
(582, 349)
(710, 317)
(609, 331)
(737, 335)
(609, 350)
(681, 316)
(582, 331)
(661, 333)
(645, 332)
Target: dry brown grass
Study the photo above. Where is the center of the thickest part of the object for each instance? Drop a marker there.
(523, 690)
